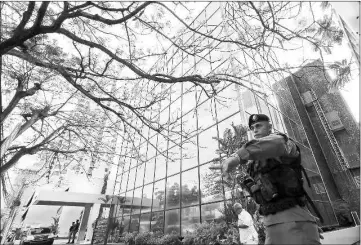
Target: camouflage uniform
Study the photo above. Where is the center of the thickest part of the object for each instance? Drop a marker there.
(295, 225)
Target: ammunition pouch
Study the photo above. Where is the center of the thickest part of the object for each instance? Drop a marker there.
(262, 190)
(281, 204)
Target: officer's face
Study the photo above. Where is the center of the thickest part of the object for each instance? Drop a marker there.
(260, 129)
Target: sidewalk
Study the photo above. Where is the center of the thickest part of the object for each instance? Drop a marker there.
(343, 236)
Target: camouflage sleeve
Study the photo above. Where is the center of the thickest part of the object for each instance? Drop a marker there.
(273, 145)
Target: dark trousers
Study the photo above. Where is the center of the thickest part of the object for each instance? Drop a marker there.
(74, 234)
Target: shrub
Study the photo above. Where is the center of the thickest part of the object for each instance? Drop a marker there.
(170, 239)
(129, 238)
(212, 234)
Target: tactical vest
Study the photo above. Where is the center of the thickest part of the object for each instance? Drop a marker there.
(278, 186)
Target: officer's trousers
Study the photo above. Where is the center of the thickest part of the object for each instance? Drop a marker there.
(296, 232)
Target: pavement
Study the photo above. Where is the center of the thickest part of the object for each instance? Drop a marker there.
(343, 236)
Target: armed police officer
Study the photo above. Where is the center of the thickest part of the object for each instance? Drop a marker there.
(275, 182)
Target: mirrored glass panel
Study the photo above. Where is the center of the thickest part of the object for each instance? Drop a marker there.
(160, 169)
(212, 212)
(211, 184)
(134, 223)
(206, 115)
(173, 192)
(126, 223)
(189, 154)
(208, 146)
(131, 180)
(147, 198)
(158, 195)
(140, 175)
(172, 222)
(157, 222)
(137, 197)
(144, 224)
(149, 172)
(174, 159)
(190, 218)
(190, 190)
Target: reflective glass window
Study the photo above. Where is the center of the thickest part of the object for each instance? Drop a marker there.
(144, 224)
(211, 184)
(208, 145)
(137, 198)
(129, 199)
(249, 102)
(172, 222)
(173, 160)
(124, 182)
(140, 175)
(151, 147)
(157, 221)
(131, 180)
(158, 195)
(173, 191)
(212, 212)
(190, 218)
(227, 102)
(190, 190)
(206, 115)
(189, 154)
(189, 121)
(117, 188)
(160, 169)
(126, 223)
(147, 198)
(189, 99)
(134, 223)
(149, 172)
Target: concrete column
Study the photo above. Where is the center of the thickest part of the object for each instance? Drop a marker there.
(84, 223)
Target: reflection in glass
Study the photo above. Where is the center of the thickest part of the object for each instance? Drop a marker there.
(151, 150)
(207, 145)
(190, 217)
(149, 172)
(211, 184)
(147, 198)
(157, 221)
(189, 99)
(160, 169)
(189, 154)
(206, 115)
(144, 224)
(124, 183)
(117, 188)
(126, 164)
(172, 221)
(173, 160)
(131, 180)
(227, 104)
(173, 191)
(134, 223)
(126, 223)
(189, 124)
(190, 192)
(212, 212)
(136, 200)
(129, 199)
(158, 195)
(140, 175)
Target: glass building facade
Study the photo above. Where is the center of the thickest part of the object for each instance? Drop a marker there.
(173, 168)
